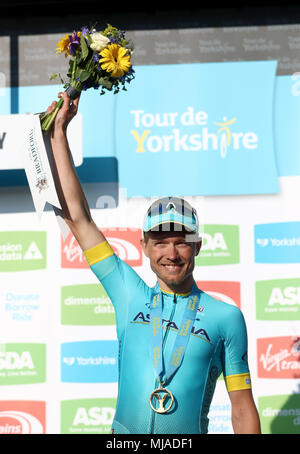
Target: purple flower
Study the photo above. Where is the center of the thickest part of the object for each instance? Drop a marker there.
(85, 30)
(74, 43)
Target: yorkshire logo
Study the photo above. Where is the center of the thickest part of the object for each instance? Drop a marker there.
(210, 138)
(207, 138)
(277, 242)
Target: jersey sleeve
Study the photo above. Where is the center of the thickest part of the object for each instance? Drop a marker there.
(235, 359)
(118, 279)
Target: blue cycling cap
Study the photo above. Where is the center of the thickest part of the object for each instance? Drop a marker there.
(171, 210)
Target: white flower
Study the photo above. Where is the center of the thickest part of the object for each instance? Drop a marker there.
(99, 41)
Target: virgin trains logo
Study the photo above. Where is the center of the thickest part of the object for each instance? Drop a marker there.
(278, 357)
(124, 242)
(22, 417)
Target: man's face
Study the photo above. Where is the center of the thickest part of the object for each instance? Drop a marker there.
(172, 256)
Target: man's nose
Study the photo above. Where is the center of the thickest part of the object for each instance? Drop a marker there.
(172, 252)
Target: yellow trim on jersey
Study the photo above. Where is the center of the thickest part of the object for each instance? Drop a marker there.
(98, 253)
(238, 382)
(172, 293)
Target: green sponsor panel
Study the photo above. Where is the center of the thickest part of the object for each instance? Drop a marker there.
(220, 245)
(22, 250)
(278, 299)
(86, 304)
(280, 414)
(87, 416)
(22, 364)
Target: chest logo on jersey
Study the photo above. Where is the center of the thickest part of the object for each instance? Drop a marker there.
(145, 319)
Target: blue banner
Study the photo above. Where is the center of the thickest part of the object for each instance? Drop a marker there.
(198, 129)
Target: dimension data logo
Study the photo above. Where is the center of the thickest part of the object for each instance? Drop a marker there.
(22, 364)
(278, 299)
(86, 305)
(22, 250)
(89, 362)
(277, 243)
(87, 416)
(220, 245)
(280, 414)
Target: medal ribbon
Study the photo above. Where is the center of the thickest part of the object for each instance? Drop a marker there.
(182, 338)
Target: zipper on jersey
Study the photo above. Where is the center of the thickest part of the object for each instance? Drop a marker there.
(156, 384)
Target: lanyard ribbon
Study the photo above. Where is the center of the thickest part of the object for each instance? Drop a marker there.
(182, 338)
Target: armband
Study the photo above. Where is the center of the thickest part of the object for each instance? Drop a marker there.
(98, 253)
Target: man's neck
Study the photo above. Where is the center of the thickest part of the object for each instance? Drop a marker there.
(184, 287)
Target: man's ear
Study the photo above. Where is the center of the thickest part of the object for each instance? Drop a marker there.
(198, 245)
(143, 244)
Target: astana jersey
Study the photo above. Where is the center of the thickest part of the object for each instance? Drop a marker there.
(217, 344)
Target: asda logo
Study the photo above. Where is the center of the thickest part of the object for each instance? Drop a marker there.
(87, 416)
(22, 364)
(22, 250)
(278, 299)
(220, 245)
(280, 414)
(86, 305)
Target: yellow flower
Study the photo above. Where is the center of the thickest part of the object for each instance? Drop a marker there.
(115, 60)
(63, 46)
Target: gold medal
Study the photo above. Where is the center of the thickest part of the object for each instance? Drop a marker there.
(161, 400)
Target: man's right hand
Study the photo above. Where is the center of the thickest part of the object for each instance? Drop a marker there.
(75, 209)
(65, 114)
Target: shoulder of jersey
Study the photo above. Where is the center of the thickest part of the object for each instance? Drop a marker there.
(209, 301)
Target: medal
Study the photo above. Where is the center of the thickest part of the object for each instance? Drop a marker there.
(161, 400)
(157, 342)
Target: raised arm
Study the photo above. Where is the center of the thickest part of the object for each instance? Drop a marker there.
(75, 209)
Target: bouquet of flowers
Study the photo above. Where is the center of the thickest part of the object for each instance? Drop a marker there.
(97, 59)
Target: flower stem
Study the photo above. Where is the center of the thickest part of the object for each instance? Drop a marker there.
(48, 119)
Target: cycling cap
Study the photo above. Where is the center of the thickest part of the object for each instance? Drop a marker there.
(171, 210)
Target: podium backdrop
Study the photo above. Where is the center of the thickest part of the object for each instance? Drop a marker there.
(213, 115)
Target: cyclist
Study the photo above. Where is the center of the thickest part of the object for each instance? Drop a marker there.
(174, 339)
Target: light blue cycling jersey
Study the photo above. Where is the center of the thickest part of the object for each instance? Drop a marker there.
(218, 343)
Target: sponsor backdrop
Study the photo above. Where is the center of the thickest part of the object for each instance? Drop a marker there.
(213, 116)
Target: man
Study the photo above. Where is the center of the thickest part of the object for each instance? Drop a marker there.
(174, 339)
